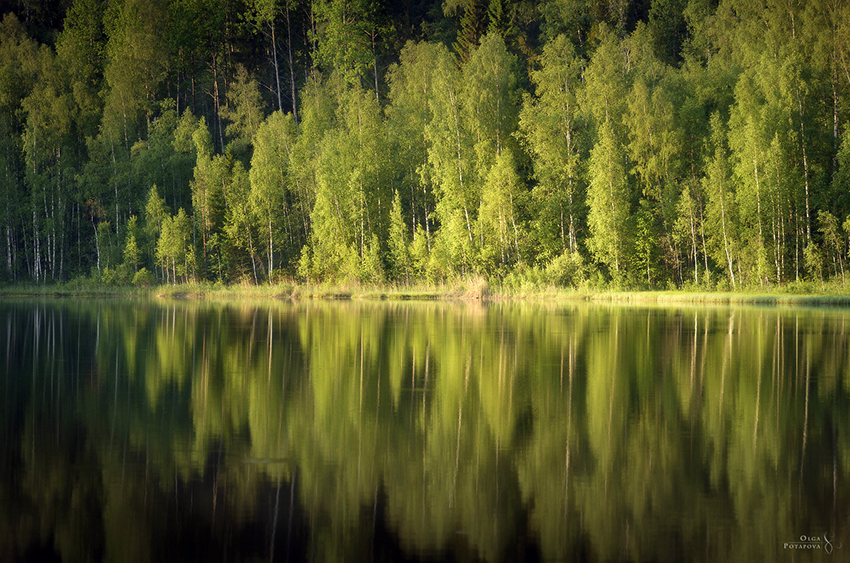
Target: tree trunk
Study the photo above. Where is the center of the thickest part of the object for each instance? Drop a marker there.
(725, 239)
(805, 166)
(36, 249)
(271, 247)
(453, 100)
(694, 244)
(217, 104)
(97, 245)
(613, 215)
(276, 69)
(291, 65)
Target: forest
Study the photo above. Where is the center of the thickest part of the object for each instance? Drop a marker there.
(618, 143)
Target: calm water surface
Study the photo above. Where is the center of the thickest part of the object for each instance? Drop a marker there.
(269, 431)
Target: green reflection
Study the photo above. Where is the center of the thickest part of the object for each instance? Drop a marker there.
(335, 430)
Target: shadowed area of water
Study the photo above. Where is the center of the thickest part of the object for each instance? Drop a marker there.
(271, 431)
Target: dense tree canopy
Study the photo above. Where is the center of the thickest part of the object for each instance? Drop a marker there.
(646, 144)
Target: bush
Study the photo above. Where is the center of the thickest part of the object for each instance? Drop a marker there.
(524, 278)
(370, 268)
(109, 276)
(143, 278)
(567, 269)
(419, 254)
(814, 262)
(78, 282)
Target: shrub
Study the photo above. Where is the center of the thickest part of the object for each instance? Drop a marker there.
(108, 276)
(567, 269)
(143, 278)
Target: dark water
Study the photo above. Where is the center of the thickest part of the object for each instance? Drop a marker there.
(268, 431)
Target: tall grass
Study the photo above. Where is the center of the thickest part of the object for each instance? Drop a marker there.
(64, 290)
(462, 288)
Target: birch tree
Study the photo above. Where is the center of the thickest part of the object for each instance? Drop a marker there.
(553, 131)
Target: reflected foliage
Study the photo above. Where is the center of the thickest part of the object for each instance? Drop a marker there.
(183, 430)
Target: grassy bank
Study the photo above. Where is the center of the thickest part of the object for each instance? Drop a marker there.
(468, 289)
(724, 298)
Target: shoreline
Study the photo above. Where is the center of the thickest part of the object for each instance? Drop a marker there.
(474, 291)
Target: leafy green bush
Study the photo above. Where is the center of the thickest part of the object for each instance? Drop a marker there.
(567, 269)
(109, 277)
(143, 278)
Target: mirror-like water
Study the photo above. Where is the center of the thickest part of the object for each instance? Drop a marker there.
(195, 430)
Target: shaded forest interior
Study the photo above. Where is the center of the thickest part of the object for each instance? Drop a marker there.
(653, 143)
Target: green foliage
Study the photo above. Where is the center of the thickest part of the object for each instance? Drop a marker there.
(721, 214)
(143, 278)
(174, 251)
(108, 250)
(168, 156)
(473, 23)
(420, 255)
(489, 99)
(156, 212)
(109, 276)
(833, 239)
(450, 167)
(135, 66)
(551, 127)
(668, 21)
(841, 179)
(371, 266)
(239, 228)
(646, 246)
(609, 208)
(132, 252)
(351, 206)
(663, 142)
(688, 228)
(814, 262)
(400, 257)
(278, 206)
(345, 45)
(210, 178)
(410, 122)
(501, 230)
(245, 113)
(567, 269)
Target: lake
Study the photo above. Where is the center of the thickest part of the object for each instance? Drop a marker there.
(196, 430)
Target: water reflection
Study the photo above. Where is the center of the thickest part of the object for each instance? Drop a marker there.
(195, 430)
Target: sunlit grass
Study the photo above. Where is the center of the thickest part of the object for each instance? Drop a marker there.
(722, 298)
(475, 287)
(66, 290)
(478, 288)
